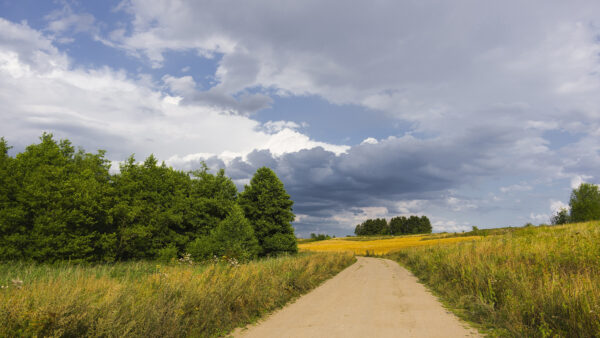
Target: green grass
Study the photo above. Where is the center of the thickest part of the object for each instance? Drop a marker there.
(521, 282)
(152, 300)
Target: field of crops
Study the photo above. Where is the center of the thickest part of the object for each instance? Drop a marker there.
(362, 245)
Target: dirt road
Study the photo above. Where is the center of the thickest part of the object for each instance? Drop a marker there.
(372, 298)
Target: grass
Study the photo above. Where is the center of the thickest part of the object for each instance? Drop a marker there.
(145, 299)
(378, 245)
(526, 282)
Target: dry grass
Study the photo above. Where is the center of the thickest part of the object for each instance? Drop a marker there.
(145, 299)
(530, 282)
(366, 245)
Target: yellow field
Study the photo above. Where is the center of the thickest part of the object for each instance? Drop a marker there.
(379, 246)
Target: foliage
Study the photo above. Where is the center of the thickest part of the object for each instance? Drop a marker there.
(319, 237)
(142, 299)
(268, 207)
(55, 204)
(369, 227)
(561, 217)
(585, 203)
(397, 226)
(234, 237)
(411, 225)
(526, 282)
(150, 200)
(58, 203)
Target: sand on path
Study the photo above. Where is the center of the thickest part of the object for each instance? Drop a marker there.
(374, 297)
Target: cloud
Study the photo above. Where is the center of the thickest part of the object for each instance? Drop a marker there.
(449, 226)
(556, 206)
(481, 88)
(516, 187)
(517, 75)
(65, 21)
(40, 91)
(540, 218)
(369, 140)
(542, 63)
(576, 181)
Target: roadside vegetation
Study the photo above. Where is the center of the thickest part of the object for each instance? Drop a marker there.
(148, 251)
(135, 299)
(529, 282)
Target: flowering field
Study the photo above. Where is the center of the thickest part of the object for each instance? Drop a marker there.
(144, 299)
(360, 246)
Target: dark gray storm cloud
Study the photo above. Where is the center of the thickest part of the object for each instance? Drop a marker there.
(323, 184)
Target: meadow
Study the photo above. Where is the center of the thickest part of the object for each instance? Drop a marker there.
(154, 300)
(379, 245)
(524, 282)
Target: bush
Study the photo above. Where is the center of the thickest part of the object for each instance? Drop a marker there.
(234, 237)
(201, 248)
(167, 254)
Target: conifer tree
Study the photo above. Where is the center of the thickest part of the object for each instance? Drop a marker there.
(269, 208)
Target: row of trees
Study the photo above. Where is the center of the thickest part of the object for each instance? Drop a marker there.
(397, 226)
(57, 203)
(584, 205)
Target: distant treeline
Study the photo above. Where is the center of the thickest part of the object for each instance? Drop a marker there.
(397, 226)
(58, 203)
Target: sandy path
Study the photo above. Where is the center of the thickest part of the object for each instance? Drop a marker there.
(372, 298)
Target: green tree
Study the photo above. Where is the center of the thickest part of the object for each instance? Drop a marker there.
(212, 197)
(234, 237)
(150, 202)
(561, 217)
(269, 208)
(425, 225)
(56, 204)
(585, 203)
(397, 225)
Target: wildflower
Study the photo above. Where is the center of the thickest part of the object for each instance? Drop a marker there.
(186, 259)
(18, 283)
(233, 262)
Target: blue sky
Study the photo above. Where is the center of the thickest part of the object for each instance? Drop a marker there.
(474, 114)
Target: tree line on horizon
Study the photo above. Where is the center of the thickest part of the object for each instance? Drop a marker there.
(58, 203)
(400, 225)
(584, 205)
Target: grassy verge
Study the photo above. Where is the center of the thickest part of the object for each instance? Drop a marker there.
(145, 299)
(530, 282)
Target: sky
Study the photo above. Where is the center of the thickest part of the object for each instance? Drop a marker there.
(474, 113)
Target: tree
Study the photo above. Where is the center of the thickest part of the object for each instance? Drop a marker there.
(425, 225)
(212, 198)
(585, 203)
(150, 202)
(56, 204)
(561, 217)
(397, 224)
(268, 207)
(234, 237)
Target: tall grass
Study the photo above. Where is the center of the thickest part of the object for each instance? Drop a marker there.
(530, 282)
(145, 299)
